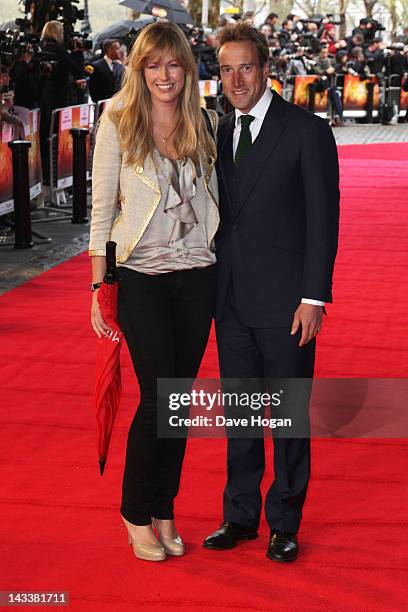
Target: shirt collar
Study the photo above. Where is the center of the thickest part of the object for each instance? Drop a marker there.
(108, 60)
(260, 109)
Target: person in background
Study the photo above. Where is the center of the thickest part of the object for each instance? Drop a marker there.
(106, 74)
(57, 67)
(357, 64)
(272, 19)
(123, 54)
(285, 32)
(26, 80)
(266, 30)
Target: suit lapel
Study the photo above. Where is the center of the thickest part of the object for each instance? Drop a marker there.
(268, 138)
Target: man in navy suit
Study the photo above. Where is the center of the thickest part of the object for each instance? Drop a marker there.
(106, 76)
(276, 246)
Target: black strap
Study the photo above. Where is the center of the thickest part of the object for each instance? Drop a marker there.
(208, 122)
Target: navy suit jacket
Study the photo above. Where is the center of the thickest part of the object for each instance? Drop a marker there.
(102, 84)
(279, 210)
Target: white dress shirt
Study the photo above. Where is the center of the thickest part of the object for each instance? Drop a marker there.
(259, 111)
(109, 62)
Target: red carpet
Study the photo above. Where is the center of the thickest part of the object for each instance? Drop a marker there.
(60, 527)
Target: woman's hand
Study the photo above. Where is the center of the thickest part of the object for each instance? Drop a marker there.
(99, 326)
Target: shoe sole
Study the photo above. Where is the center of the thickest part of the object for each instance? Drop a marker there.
(173, 554)
(243, 538)
(146, 558)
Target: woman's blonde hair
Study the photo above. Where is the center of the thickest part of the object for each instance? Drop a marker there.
(53, 30)
(130, 108)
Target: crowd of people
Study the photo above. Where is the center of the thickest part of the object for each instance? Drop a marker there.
(58, 77)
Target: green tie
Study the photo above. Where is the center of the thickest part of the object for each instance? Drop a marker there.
(245, 139)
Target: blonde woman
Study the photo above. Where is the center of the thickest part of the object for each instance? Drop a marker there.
(57, 67)
(155, 155)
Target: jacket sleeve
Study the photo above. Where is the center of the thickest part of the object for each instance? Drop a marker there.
(106, 167)
(320, 176)
(93, 84)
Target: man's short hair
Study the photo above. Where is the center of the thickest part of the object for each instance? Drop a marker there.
(244, 32)
(272, 16)
(107, 44)
(358, 37)
(356, 51)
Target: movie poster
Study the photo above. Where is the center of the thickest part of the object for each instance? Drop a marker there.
(31, 121)
(301, 94)
(70, 117)
(404, 96)
(6, 170)
(276, 85)
(355, 93)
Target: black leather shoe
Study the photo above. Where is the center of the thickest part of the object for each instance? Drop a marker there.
(283, 546)
(228, 535)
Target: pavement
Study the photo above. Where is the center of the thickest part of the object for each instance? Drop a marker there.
(67, 239)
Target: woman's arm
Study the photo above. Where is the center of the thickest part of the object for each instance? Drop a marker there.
(98, 272)
(105, 187)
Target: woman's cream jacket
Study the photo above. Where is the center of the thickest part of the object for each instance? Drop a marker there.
(125, 197)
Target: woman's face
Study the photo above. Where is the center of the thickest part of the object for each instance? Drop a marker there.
(164, 78)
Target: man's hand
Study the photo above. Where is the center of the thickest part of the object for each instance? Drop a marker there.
(310, 317)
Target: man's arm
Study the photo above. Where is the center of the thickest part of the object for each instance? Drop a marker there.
(320, 175)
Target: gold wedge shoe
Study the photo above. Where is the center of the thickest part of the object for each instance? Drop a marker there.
(146, 551)
(172, 546)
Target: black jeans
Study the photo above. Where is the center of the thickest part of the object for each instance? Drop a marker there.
(166, 320)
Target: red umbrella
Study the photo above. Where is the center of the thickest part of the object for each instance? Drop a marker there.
(108, 386)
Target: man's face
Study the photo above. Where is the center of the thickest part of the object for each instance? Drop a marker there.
(114, 51)
(243, 79)
(324, 53)
(211, 40)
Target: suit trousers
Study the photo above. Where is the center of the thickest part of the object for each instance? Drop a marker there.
(166, 319)
(265, 353)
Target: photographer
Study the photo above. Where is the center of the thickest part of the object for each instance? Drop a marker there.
(26, 80)
(310, 37)
(285, 33)
(6, 105)
(57, 66)
(204, 50)
(357, 64)
(325, 67)
(298, 64)
(341, 63)
(374, 57)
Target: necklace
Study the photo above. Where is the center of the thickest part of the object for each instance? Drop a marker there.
(167, 136)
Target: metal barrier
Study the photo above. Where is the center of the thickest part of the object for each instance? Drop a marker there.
(99, 107)
(62, 121)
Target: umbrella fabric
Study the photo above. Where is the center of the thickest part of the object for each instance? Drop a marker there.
(108, 385)
(175, 12)
(136, 5)
(120, 29)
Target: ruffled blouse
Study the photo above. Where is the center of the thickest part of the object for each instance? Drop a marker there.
(176, 237)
